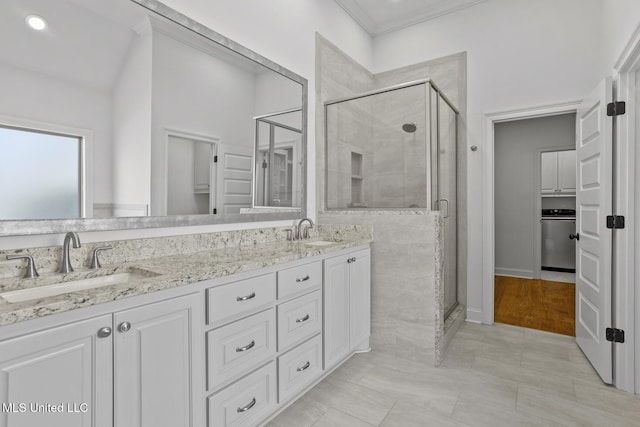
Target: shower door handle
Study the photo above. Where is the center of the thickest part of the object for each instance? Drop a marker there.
(446, 215)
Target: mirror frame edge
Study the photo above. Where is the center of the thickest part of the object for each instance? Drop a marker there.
(51, 226)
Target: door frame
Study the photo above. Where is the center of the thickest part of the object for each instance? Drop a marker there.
(167, 133)
(488, 190)
(626, 369)
(627, 301)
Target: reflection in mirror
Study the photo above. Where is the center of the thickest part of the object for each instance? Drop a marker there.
(278, 159)
(162, 119)
(40, 175)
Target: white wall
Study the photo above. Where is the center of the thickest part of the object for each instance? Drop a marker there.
(132, 125)
(274, 93)
(520, 53)
(620, 19)
(34, 96)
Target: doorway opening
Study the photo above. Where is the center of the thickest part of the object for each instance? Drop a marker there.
(534, 217)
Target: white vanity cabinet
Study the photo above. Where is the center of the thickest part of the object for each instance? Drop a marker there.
(347, 305)
(558, 172)
(153, 362)
(265, 345)
(130, 368)
(233, 350)
(68, 365)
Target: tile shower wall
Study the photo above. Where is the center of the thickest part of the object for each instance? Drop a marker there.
(406, 268)
(399, 161)
(407, 305)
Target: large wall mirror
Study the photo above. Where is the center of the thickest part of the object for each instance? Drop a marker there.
(127, 114)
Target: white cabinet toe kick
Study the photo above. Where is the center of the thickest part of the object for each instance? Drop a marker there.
(233, 351)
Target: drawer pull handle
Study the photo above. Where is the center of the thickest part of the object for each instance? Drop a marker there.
(246, 347)
(246, 297)
(249, 406)
(304, 368)
(350, 260)
(302, 279)
(303, 319)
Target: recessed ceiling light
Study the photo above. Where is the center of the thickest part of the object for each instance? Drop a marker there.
(36, 22)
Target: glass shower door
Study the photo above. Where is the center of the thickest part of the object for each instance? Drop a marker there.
(447, 197)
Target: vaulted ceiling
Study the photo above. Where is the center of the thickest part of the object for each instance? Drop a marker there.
(382, 16)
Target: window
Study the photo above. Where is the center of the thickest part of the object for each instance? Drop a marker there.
(40, 175)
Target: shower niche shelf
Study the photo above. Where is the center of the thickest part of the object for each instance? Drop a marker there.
(356, 180)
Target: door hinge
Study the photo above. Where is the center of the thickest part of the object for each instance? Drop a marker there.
(215, 211)
(616, 108)
(615, 221)
(615, 335)
(215, 159)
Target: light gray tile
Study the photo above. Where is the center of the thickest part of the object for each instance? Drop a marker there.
(358, 401)
(552, 364)
(477, 388)
(566, 411)
(481, 413)
(303, 413)
(407, 415)
(542, 380)
(424, 388)
(486, 387)
(335, 418)
(608, 399)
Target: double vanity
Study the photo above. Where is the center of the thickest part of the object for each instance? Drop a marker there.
(227, 336)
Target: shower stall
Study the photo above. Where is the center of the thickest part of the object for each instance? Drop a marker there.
(394, 149)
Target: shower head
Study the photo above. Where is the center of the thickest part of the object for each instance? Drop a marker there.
(409, 127)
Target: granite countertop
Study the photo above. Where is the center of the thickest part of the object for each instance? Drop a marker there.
(155, 274)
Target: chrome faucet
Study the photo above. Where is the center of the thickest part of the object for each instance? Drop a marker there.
(299, 235)
(71, 236)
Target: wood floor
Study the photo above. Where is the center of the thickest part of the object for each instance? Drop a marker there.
(536, 304)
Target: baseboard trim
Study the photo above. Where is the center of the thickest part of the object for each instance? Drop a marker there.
(474, 315)
(514, 272)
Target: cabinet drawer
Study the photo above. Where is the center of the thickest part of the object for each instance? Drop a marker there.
(297, 280)
(298, 368)
(231, 301)
(299, 319)
(246, 402)
(239, 347)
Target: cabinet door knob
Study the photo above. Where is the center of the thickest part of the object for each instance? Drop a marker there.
(352, 259)
(574, 236)
(104, 332)
(124, 327)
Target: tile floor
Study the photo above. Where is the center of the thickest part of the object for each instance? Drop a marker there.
(558, 276)
(492, 376)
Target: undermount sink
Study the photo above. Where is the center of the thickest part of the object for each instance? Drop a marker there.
(320, 243)
(38, 292)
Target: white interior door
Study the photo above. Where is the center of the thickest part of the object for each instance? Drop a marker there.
(594, 203)
(234, 175)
